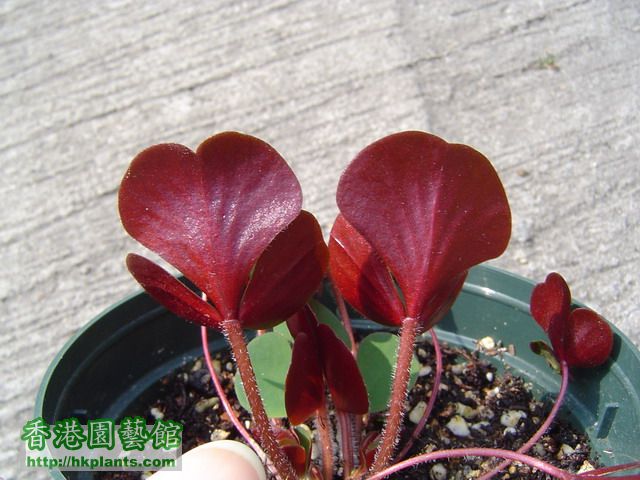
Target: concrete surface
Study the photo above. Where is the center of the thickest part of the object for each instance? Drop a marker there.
(547, 89)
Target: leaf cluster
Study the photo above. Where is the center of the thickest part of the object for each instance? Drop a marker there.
(416, 213)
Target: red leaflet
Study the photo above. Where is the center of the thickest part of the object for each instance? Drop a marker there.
(299, 457)
(319, 356)
(304, 386)
(437, 306)
(304, 321)
(580, 337)
(361, 277)
(366, 283)
(344, 380)
(550, 298)
(213, 214)
(297, 258)
(558, 334)
(430, 210)
(172, 293)
(590, 341)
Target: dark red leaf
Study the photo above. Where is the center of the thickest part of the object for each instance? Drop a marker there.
(298, 458)
(550, 298)
(304, 386)
(559, 336)
(319, 355)
(210, 213)
(294, 450)
(437, 306)
(363, 280)
(590, 339)
(303, 321)
(341, 371)
(580, 337)
(430, 209)
(171, 293)
(286, 275)
(286, 438)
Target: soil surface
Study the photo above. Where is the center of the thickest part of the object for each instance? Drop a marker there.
(476, 407)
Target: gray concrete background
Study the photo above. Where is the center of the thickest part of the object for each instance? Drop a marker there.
(546, 89)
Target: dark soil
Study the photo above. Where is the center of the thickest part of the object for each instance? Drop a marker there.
(472, 394)
(472, 389)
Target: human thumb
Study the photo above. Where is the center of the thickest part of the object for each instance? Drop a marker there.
(219, 460)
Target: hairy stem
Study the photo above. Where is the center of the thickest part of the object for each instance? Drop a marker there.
(482, 452)
(324, 434)
(346, 437)
(233, 331)
(543, 428)
(399, 389)
(432, 399)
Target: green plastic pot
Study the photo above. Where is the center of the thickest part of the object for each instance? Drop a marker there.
(111, 367)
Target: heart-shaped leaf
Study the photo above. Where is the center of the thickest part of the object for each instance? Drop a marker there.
(363, 280)
(171, 293)
(579, 337)
(297, 258)
(550, 298)
(211, 213)
(430, 209)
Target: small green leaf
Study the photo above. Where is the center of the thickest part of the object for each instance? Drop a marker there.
(327, 317)
(271, 356)
(545, 351)
(283, 330)
(305, 436)
(376, 359)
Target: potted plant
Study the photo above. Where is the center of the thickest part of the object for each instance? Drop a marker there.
(417, 214)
